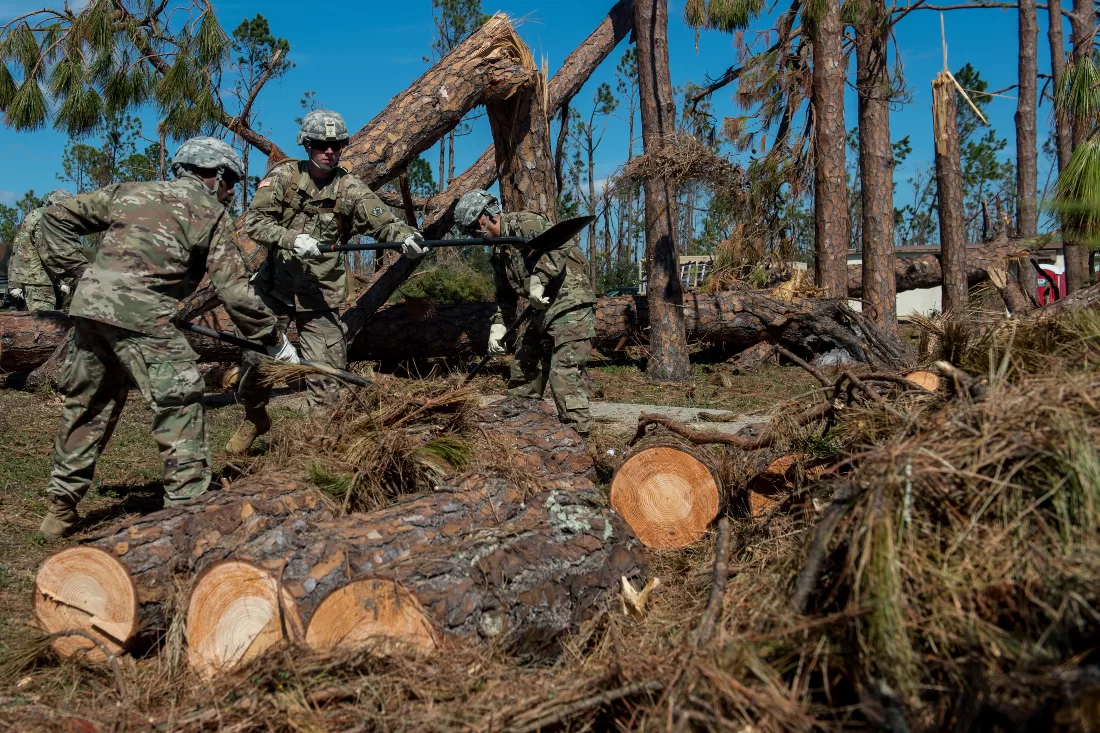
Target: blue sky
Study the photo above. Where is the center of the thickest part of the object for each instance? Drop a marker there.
(357, 55)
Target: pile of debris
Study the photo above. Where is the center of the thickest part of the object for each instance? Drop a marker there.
(910, 549)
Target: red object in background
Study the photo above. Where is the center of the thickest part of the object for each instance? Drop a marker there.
(1044, 294)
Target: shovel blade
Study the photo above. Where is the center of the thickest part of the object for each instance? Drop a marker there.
(560, 233)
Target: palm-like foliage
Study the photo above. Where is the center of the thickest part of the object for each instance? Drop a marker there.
(1077, 195)
(72, 70)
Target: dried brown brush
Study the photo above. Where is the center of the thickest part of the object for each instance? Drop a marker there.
(388, 442)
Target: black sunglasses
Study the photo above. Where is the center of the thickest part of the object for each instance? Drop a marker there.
(322, 145)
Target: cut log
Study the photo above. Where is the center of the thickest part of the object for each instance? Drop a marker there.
(770, 487)
(737, 318)
(924, 378)
(667, 491)
(119, 584)
(415, 573)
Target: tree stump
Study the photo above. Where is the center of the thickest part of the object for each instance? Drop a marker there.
(414, 574)
(119, 585)
(668, 491)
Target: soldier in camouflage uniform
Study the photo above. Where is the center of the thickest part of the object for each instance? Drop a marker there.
(159, 238)
(557, 342)
(27, 278)
(300, 207)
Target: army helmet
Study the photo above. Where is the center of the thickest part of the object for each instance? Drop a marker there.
(56, 196)
(472, 205)
(322, 124)
(209, 153)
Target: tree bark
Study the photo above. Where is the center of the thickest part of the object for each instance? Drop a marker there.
(1075, 253)
(399, 332)
(525, 161)
(439, 209)
(876, 166)
(1057, 68)
(488, 65)
(830, 188)
(483, 559)
(668, 348)
(915, 273)
(949, 190)
(1027, 151)
(119, 584)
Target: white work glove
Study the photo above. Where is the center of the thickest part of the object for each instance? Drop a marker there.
(535, 295)
(16, 292)
(496, 336)
(65, 289)
(283, 352)
(306, 246)
(413, 246)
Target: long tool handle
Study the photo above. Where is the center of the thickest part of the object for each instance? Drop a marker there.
(511, 330)
(430, 243)
(260, 349)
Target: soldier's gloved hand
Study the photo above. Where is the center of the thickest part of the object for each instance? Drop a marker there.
(16, 292)
(306, 246)
(283, 352)
(413, 246)
(496, 338)
(535, 297)
(65, 289)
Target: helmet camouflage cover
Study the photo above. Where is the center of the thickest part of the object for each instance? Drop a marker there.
(471, 206)
(323, 124)
(56, 195)
(209, 153)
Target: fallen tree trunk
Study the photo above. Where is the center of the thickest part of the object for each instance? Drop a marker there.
(119, 585)
(737, 318)
(527, 435)
(915, 273)
(484, 558)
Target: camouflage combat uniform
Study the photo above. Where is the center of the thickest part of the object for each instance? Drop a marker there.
(557, 342)
(159, 239)
(25, 268)
(310, 290)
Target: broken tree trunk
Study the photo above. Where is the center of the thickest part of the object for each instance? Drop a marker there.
(482, 559)
(668, 491)
(439, 209)
(737, 318)
(949, 188)
(491, 64)
(914, 273)
(119, 585)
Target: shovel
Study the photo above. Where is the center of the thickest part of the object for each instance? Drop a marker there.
(551, 239)
(260, 349)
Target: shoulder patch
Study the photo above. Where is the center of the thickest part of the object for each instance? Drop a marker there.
(377, 211)
(264, 182)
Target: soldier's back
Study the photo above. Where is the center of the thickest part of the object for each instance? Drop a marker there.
(152, 254)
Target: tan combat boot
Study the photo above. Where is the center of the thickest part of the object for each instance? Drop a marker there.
(256, 423)
(62, 518)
